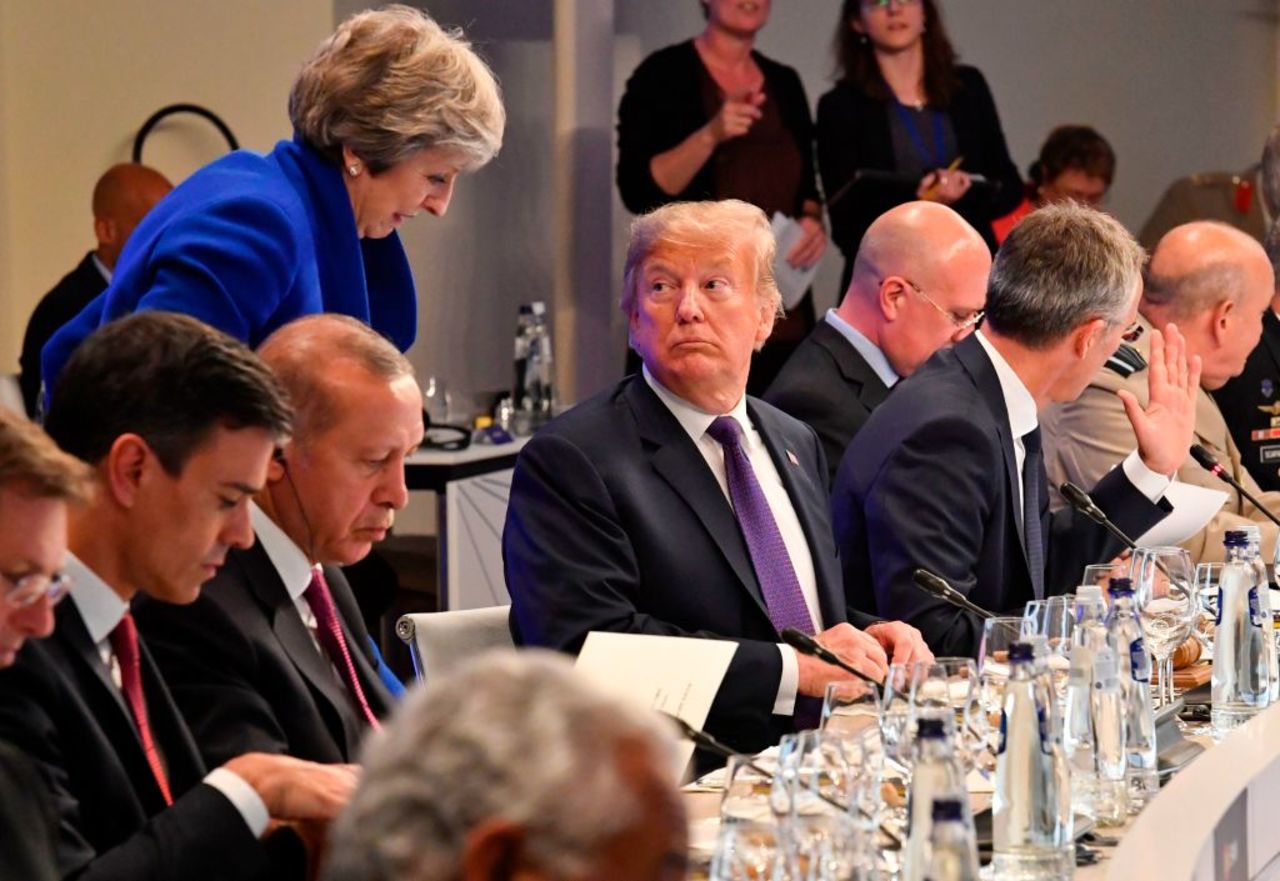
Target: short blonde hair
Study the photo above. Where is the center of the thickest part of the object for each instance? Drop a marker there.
(390, 82)
(32, 464)
(731, 224)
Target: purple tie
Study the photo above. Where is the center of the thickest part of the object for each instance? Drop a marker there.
(769, 557)
(329, 635)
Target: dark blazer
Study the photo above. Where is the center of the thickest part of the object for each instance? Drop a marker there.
(616, 523)
(77, 288)
(1251, 403)
(662, 105)
(931, 481)
(59, 708)
(830, 387)
(246, 674)
(853, 133)
(27, 820)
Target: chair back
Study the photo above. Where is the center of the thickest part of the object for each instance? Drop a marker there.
(439, 641)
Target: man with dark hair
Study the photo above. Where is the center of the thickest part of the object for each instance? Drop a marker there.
(121, 198)
(178, 422)
(947, 474)
(273, 656)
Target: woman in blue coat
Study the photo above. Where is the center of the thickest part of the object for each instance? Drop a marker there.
(386, 114)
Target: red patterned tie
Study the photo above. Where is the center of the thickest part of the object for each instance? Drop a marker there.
(124, 643)
(329, 634)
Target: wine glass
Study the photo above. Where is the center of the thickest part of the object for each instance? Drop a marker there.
(749, 852)
(1054, 619)
(748, 783)
(1204, 624)
(1164, 585)
(1101, 574)
(813, 775)
(993, 667)
(950, 686)
(850, 707)
(896, 716)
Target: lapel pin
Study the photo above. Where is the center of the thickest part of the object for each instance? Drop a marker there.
(792, 458)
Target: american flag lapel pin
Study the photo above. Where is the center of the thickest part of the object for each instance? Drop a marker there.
(791, 457)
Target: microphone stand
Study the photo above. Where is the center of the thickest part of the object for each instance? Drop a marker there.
(1206, 461)
(1084, 503)
(807, 645)
(937, 586)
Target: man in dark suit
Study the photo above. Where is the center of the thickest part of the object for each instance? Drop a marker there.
(178, 422)
(919, 282)
(251, 663)
(37, 482)
(1250, 402)
(121, 198)
(674, 504)
(948, 473)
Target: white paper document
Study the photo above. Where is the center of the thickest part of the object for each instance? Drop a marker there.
(673, 674)
(792, 282)
(1193, 508)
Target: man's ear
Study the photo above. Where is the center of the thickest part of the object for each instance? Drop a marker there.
(278, 467)
(125, 466)
(1087, 335)
(105, 231)
(494, 851)
(1220, 321)
(890, 296)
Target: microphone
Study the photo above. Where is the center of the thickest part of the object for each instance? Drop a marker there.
(1206, 461)
(1084, 503)
(807, 645)
(935, 585)
(705, 741)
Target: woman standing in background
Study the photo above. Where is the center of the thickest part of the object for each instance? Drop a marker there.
(711, 118)
(902, 104)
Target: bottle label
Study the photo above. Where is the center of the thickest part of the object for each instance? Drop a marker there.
(1217, 612)
(1255, 613)
(1105, 671)
(1139, 662)
(1004, 730)
(1046, 744)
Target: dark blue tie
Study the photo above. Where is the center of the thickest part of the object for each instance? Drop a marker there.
(1032, 484)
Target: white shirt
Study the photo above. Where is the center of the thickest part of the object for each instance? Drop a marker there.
(869, 351)
(291, 564)
(101, 609)
(102, 268)
(1023, 419)
(695, 422)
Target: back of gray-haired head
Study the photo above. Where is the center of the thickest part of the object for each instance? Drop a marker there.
(1270, 169)
(1064, 264)
(514, 736)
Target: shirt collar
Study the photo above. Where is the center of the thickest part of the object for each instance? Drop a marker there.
(1017, 400)
(291, 563)
(695, 422)
(99, 606)
(869, 351)
(102, 268)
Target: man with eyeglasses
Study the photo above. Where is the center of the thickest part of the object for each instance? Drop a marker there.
(177, 422)
(37, 483)
(948, 475)
(919, 283)
(1215, 282)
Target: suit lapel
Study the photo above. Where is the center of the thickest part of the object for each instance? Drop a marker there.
(674, 456)
(979, 367)
(1271, 336)
(853, 367)
(810, 504)
(264, 581)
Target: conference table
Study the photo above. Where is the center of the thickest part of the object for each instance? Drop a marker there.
(1218, 819)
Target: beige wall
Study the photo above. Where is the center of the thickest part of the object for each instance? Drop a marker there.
(77, 80)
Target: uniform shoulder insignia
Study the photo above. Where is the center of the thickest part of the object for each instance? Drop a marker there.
(1126, 361)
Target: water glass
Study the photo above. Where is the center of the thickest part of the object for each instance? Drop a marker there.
(1054, 619)
(949, 686)
(822, 847)
(896, 720)
(1102, 573)
(849, 708)
(813, 776)
(749, 851)
(747, 791)
(1204, 625)
(1164, 586)
(993, 667)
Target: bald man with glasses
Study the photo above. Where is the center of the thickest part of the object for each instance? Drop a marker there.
(919, 283)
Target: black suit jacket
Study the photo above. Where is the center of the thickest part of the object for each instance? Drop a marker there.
(616, 523)
(830, 387)
(853, 133)
(1250, 403)
(68, 297)
(246, 674)
(931, 481)
(59, 707)
(27, 820)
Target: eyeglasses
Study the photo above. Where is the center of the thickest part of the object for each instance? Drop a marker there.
(27, 590)
(961, 322)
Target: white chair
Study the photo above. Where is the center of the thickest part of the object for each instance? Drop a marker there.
(439, 641)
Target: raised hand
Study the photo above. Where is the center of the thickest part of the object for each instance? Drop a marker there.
(736, 116)
(1165, 428)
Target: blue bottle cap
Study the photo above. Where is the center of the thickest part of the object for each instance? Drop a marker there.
(1121, 587)
(1235, 538)
(947, 810)
(1021, 651)
(930, 727)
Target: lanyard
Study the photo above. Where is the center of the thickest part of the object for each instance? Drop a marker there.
(938, 156)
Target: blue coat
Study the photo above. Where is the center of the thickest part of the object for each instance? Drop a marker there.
(247, 244)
